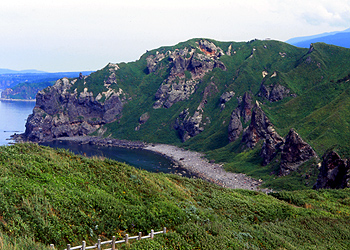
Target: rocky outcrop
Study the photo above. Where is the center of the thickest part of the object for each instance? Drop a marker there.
(187, 67)
(294, 153)
(260, 128)
(246, 106)
(143, 119)
(235, 126)
(244, 111)
(61, 111)
(274, 92)
(225, 97)
(334, 172)
(188, 126)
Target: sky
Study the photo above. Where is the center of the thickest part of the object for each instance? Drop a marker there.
(79, 35)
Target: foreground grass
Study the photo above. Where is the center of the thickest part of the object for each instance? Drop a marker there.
(53, 196)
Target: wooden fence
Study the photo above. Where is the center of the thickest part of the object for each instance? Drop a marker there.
(113, 242)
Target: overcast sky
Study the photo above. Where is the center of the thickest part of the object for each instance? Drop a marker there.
(77, 35)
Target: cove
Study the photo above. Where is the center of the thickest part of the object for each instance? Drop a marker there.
(141, 159)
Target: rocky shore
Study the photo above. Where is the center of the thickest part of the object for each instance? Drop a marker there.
(193, 162)
(202, 168)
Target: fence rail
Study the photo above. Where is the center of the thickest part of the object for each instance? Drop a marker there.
(113, 242)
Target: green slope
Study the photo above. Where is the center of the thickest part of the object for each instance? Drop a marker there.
(316, 105)
(50, 196)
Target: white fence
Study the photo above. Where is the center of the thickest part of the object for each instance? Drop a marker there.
(113, 242)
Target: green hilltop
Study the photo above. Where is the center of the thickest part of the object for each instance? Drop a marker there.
(176, 95)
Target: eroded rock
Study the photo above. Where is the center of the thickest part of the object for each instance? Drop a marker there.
(274, 92)
(294, 153)
(260, 128)
(334, 172)
(243, 111)
(60, 112)
(187, 68)
(235, 126)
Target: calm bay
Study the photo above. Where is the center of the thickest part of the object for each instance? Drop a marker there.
(15, 113)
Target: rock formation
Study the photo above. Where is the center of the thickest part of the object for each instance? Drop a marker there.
(244, 111)
(294, 153)
(143, 119)
(225, 97)
(235, 126)
(260, 128)
(188, 126)
(274, 92)
(186, 68)
(61, 111)
(334, 172)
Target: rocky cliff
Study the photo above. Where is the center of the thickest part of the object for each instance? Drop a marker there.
(61, 111)
(187, 67)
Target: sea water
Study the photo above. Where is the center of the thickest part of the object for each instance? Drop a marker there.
(14, 114)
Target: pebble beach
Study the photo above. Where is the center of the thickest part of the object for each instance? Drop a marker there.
(201, 167)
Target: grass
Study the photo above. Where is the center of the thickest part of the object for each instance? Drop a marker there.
(53, 196)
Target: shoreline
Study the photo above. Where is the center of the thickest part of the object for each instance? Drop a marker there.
(196, 163)
(193, 162)
(17, 100)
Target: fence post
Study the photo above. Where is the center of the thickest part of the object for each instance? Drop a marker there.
(52, 246)
(83, 245)
(126, 238)
(68, 247)
(99, 244)
(140, 235)
(152, 234)
(164, 230)
(113, 243)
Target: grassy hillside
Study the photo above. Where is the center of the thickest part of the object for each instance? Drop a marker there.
(315, 78)
(316, 107)
(49, 196)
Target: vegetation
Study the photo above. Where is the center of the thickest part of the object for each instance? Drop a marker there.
(53, 196)
(50, 196)
(317, 106)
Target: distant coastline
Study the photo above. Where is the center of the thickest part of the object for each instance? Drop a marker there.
(17, 100)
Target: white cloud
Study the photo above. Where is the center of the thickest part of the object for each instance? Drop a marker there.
(75, 34)
(334, 13)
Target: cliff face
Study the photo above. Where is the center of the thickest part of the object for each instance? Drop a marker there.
(187, 68)
(61, 112)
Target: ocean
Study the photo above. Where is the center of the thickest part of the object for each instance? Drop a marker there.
(13, 116)
(15, 113)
